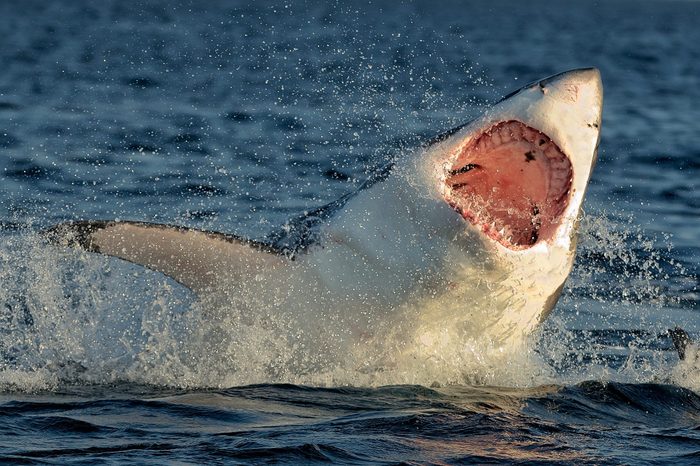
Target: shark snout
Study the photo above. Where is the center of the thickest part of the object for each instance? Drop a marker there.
(580, 90)
(573, 102)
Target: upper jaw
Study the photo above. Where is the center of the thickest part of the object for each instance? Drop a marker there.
(566, 110)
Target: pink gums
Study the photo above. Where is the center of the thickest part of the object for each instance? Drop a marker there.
(513, 182)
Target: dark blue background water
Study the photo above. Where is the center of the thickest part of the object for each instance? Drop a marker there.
(235, 117)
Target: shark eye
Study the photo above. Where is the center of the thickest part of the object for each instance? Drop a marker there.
(513, 182)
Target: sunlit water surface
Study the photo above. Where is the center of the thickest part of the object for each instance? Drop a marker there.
(236, 118)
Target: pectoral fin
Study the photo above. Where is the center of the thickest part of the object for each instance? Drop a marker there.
(681, 340)
(197, 259)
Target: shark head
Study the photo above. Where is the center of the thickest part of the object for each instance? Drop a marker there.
(517, 176)
(519, 173)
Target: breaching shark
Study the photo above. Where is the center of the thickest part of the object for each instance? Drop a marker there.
(469, 236)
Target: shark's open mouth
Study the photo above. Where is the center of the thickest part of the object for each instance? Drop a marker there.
(513, 182)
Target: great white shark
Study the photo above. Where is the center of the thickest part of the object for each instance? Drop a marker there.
(469, 237)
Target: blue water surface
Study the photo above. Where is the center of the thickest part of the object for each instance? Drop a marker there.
(236, 116)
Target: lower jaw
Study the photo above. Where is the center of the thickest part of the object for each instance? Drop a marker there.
(492, 231)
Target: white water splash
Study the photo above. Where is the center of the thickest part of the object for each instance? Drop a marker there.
(70, 317)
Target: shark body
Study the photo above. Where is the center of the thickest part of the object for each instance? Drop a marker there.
(469, 237)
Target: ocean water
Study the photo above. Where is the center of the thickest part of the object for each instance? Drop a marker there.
(235, 117)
